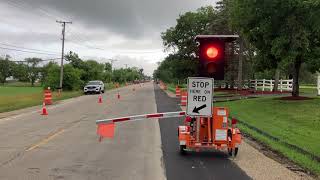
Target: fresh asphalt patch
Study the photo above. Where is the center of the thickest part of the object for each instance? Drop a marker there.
(193, 165)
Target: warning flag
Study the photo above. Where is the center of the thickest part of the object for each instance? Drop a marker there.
(106, 130)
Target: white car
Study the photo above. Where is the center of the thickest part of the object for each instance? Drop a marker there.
(94, 87)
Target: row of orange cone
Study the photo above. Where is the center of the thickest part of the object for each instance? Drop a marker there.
(45, 112)
(100, 98)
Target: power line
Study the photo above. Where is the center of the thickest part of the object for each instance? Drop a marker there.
(5, 44)
(26, 51)
(41, 60)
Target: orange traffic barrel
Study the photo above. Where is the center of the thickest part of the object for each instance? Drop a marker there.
(184, 96)
(178, 92)
(48, 96)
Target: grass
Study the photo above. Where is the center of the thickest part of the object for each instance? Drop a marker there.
(13, 98)
(20, 84)
(295, 122)
(308, 90)
(18, 95)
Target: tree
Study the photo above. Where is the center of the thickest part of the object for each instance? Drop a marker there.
(74, 60)
(20, 72)
(92, 70)
(180, 38)
(71, 77)
(282, 31)
(33, 70)
(174, 69)
(5, 69)
(45, 72)
(108, 67)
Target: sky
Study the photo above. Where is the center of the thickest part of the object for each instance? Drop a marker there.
(125, 30)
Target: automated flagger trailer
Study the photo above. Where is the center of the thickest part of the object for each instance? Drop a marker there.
(205, 133)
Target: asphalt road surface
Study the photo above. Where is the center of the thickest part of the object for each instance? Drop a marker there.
(64, 144)
(202, 165)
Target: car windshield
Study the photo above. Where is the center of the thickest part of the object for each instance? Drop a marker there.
(93, 83)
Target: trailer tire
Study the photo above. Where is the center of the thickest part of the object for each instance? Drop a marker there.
(183, 149)
(230, 151)
(236, 151)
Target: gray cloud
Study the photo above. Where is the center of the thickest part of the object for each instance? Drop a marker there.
(123, 27)
(131, 18)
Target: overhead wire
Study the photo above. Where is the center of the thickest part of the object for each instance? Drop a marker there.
(26, 51)
(75, 37)
(20, 47)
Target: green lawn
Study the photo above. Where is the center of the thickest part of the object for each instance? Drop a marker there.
(18, 95)
(308, 90)
(294, 122)
(12, 98)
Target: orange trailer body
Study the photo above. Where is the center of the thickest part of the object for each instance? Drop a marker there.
(200, 133)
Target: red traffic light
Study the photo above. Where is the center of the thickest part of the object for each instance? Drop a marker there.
(212, 52)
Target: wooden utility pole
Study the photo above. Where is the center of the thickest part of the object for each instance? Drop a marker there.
(62, 53)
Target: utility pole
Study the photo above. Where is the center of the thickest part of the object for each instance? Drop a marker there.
(112, 61)
(62, 53)
(126, 66)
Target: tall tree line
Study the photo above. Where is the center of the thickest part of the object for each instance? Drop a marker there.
(281, 39)
(76, 72)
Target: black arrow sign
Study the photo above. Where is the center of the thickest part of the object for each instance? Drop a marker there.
(196, 110)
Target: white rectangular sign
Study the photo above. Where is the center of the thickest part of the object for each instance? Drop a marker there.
(200, 96)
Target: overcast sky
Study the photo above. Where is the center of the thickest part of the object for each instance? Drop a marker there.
(127, 30)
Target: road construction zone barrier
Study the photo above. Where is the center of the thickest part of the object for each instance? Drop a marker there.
(178, 92)
(48, 96)
(106, 127)
(184, 96)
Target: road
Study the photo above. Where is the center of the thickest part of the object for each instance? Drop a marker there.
(64, 144)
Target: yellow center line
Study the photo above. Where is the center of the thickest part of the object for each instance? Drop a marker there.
(45, 141)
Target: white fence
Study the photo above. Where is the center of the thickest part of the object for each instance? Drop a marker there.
(264, 84)
(257, 84)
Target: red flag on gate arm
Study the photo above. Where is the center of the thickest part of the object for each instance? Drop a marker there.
(106, 130)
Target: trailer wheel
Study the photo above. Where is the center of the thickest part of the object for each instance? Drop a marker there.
(183, 149)
(236, 151)
(230, 151)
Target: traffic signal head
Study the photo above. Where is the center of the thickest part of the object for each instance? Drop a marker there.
(211, 56)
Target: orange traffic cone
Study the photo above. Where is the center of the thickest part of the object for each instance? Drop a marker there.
(44, 109)
(100, 99)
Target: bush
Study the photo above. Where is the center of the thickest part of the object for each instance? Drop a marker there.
(71, 78)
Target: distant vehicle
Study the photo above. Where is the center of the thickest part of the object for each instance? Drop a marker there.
(94, 87)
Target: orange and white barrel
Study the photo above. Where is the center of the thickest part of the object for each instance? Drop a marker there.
(184, 96)
(178, 92)
(48, 96)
